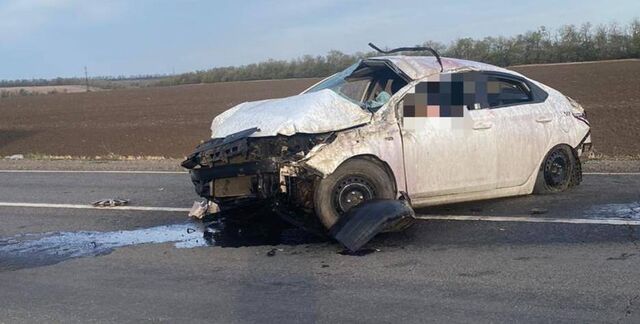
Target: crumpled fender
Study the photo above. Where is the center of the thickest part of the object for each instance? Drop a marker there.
(378, 139)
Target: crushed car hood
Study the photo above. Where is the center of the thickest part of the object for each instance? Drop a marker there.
(310, 113)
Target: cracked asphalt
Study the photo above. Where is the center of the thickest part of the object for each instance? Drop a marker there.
(437, 271)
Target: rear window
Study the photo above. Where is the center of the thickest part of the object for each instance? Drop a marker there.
(502, 91)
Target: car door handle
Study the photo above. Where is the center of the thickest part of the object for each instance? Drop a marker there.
(544, 119)
(482, 125)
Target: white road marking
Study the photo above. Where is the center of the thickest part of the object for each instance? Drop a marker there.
(185, 172)
(80, 206)
(527, 219)
(97, 171)
(611, 173)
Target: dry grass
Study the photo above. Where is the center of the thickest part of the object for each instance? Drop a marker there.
(108, 157)
(38, 90)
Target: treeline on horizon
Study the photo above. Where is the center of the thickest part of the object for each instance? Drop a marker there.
(103, 82)
(568, 43)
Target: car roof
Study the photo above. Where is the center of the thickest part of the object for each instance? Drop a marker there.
(418, 67)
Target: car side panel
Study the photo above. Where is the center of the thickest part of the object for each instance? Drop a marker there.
(523, 136)
(447, 155)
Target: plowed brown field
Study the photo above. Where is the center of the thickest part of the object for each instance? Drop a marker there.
(610, 93)
(162, 121)
(169, 121)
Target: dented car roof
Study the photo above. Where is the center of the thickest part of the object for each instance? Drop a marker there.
(419, 67)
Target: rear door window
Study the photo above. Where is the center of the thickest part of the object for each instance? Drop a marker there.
(504, 91)
(446, 95)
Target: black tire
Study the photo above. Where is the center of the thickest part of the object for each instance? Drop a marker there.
(354, 181)
(558, 171)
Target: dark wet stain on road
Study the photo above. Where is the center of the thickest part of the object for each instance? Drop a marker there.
(35, 250)
(476, 274)
(624, 211)
(266, 231)
(360, 252)
(622, 256)
(42, 249)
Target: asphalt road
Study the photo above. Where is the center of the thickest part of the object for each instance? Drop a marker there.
(124, 266)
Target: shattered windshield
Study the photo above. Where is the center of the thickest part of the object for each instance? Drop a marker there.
(353, 90)
(368, 84)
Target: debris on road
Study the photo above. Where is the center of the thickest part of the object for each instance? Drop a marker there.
(110, 202)
(361, 223)
(538, 211)
(272, 252)
(15, 157)
(361, 252)
(201, 208)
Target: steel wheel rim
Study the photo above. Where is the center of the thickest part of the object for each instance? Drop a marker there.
(352, 191)
(556, 169)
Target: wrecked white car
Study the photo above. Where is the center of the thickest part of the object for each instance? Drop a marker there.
(426, 129)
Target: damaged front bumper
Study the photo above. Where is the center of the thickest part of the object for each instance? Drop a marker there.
(238, 171)
(249, 179)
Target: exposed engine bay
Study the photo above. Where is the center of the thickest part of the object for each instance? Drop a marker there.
(239, 171)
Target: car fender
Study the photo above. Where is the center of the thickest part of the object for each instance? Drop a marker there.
(380, 140)
(571, 131)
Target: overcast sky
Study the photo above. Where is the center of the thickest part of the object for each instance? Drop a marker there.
(50, 38)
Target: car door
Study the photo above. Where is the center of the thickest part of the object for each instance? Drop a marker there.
(448, 147)
(522, 127)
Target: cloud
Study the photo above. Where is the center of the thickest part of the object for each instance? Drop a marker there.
(19, 18)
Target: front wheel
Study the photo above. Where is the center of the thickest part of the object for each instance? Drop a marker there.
(354, 182)
(557, 171)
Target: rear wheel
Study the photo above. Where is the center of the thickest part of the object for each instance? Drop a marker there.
(354, 182)
(557, 171)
